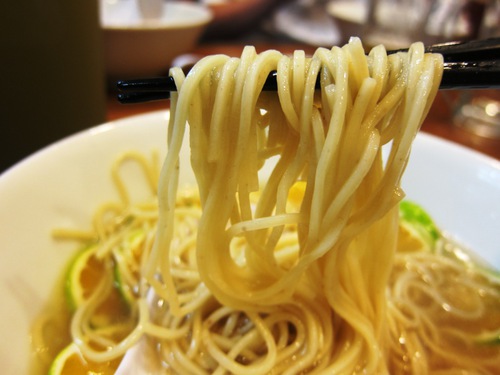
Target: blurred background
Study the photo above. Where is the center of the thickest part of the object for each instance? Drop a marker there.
(61, 59)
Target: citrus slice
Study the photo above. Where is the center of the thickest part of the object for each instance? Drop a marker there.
(489, 338)
(411, 240)
(83, 276)
(417, 231)
(71, 361)
(296, 192)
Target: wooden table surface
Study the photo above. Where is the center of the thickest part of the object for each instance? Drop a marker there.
(438, 122)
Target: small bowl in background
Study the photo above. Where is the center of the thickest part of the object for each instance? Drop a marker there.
(139, 46)
(349, 16)
(235, 17)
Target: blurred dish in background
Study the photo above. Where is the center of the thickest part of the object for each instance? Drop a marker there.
(151, 9)
(307, 22)
(349, 16)
(478, 111)
(137, 44)
(235, 17)
(397, 23)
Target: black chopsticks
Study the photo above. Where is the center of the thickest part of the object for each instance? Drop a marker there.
(468, 65)
(474, 50)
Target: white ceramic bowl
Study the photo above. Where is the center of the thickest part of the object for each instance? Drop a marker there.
(63, 184)
(139, 46)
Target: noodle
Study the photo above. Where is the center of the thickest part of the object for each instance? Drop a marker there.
(298, 271)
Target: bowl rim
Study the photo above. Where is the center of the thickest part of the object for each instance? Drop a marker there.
(203, 16)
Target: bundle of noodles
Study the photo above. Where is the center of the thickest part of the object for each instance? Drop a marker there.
(320, 302)
(295, 271)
